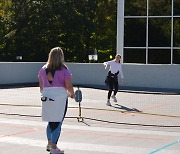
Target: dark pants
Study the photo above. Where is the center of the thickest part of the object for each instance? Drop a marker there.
(113, 84)
(53, 129)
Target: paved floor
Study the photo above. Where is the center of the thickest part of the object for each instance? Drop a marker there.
(28, 136)
(139, 124)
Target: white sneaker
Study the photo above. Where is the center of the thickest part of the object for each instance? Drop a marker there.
(108, 103)
(114, 97)
(56, 151)
(48, 148)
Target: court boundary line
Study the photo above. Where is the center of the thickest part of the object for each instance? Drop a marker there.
(112, 122)
(164, 147)
(101, 109)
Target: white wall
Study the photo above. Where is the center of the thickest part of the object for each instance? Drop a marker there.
(12, 73)
(136, 75)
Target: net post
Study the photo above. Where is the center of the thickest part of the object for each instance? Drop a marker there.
(80, 118)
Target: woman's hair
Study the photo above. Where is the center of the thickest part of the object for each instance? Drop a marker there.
(56, 59)
(119, 56)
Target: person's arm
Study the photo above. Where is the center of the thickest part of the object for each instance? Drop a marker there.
(106, 64)
(40, 79)
(122, 76)
(69, 87)
(40, 84)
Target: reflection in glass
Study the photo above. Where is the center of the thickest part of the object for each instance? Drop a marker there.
(176, 32)
(135, 56)
(160, 7)
(176, 56)
(176, 7)
(135, 32)
(135, 7)
(160, 32)
(159, 56)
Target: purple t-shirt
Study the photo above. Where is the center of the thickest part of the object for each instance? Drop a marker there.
(59, 79)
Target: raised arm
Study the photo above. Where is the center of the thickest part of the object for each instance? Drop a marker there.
(106, 64)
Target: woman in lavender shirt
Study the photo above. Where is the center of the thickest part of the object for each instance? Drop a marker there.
(55, 86)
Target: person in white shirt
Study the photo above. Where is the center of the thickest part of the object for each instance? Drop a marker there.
(112, 77)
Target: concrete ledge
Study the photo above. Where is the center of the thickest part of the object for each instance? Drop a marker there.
(159, 77)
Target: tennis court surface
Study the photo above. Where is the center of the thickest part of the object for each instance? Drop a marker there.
(139, 123)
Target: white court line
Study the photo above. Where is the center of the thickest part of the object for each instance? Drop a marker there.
(82, 146)
(89, 128)
(75, 146)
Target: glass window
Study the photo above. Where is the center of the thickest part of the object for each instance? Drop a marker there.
(159, 32)
(176, 7)
(176, 32)
(135, 7)
(135, 32)
(159, 56)
(135, 56)
(160, 7)
(176, 56)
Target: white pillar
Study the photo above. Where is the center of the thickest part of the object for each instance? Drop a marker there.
(120, 28)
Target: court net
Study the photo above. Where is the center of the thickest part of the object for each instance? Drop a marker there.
(131, 108)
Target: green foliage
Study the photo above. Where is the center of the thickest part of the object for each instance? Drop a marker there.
(30, 28)
(33, 27)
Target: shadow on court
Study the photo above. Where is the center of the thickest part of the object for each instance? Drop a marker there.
(117, 106)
